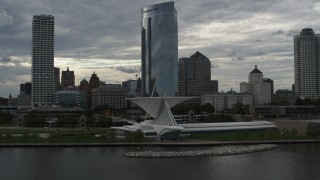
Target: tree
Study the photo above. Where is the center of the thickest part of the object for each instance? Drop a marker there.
(213, 118)
(5, 117)
(240, 108)
(33, 118)
(68, 121)
(208, 108)
(298, 102)
(88, 112)
(138, 135)
(179, 109)
(129, 136)
(105, 121)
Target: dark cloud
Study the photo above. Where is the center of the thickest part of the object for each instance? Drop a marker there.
(5, 59)
(128, 70)
(293, 32)
(278, 32)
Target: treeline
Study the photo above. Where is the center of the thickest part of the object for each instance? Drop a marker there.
(5, 118)
(184, 108)
(214, 118)
(34, 119)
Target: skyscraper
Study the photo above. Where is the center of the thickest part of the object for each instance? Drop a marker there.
(67, 78)
(159, 49)
(56, 79)
(25, 88)
(307, 64)
(194, 76)
(42, 60)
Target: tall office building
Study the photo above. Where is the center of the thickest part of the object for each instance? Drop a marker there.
(67, 78)
(42, 60)
(270, 81)
(307, 64)
(26, 88)
(56, 79)
(194, 76)
(159, 49)
(260, 90)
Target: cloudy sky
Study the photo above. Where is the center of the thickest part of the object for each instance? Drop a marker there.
(104, 36)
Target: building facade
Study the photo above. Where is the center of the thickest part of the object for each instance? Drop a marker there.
(56, 79)
(67, 78)
(194, 76)
(130, 86)
(3, 101)
(260, 90)
(112, 95)
(26, 88)
(159, 49)
(227, 100)
(67, 98)
(42, 60)
(306, 64)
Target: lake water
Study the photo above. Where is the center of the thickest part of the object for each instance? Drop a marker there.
(288, 162)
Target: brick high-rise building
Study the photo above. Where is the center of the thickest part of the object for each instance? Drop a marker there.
(67, 78)
(56, 79)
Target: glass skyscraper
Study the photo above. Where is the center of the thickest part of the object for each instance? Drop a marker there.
(42, 60)
(159, 51)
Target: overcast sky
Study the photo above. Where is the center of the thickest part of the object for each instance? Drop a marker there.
(104, 36)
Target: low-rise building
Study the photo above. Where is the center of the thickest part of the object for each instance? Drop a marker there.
(294, 112)
(223, 101)
(112, 95)
(4, 101)
(69, 98)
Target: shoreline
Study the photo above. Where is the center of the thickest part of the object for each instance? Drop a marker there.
(156, 144)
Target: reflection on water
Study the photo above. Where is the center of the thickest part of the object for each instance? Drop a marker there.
(288, 162)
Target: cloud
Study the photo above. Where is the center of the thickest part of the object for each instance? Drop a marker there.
(278, 32)
(129, 70)
(104, 36)
(5, 18)
(5, 59)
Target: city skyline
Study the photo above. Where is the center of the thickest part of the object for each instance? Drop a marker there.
(99, 37)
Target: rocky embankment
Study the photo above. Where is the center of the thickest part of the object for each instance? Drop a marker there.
(219, 152)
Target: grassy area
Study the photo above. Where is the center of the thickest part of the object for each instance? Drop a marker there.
(107, 135)
(248, 136)
(61, 135)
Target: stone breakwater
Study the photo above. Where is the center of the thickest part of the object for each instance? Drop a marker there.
(219, 152)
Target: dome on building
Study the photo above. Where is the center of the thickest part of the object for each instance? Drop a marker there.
(231, 92)
(256, 70)
(307, 32)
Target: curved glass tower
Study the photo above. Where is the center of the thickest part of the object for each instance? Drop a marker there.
(159, 50)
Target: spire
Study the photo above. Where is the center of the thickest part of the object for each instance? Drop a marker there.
(256, 70)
